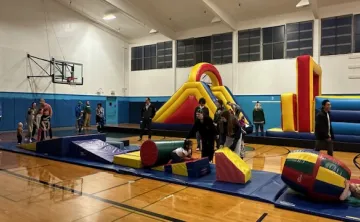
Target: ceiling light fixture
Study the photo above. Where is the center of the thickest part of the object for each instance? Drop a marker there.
(215, 20)
(153, 31)
(303, 3)
(109, 17)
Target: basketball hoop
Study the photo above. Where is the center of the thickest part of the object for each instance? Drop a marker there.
(71, 81)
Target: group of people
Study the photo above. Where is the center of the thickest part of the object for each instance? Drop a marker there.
(83, 116)
(37, 121)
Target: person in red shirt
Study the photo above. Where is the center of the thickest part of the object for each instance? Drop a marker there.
(47, 113)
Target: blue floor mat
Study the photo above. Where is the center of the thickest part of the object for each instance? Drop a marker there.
(264, 186)
(338, 211)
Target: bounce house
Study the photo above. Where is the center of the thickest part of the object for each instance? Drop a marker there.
(298, 110)
(178, 112)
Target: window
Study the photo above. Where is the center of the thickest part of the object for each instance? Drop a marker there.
(222, 48)
(357, 33)
(299, 39)
(164, 55)
(249, 45)
(150, 57)
(185, 53)
(137, 58)
(273, 42)
(336, 35)
(203, 49)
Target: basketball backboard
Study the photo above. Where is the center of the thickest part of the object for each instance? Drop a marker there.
(63, 70)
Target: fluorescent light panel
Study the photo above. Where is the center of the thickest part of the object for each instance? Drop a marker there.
(302, 3)
(109, 17)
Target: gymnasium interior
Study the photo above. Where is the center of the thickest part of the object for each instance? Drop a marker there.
(76, 75)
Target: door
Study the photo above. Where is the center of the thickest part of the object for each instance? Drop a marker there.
(111, 111)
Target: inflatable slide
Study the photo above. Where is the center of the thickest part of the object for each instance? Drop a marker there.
(178, 112)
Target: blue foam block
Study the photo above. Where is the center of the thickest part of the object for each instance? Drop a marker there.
(338, 211)
(97, 150)
(340, 103)
(348, 116)
(60, 146)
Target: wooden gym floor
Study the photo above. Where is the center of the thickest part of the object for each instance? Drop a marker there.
(25, 194)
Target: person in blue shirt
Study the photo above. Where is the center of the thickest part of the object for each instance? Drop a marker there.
(78, 110)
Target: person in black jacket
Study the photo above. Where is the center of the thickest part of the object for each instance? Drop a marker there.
(206, 128)
(323, 129)
(205, 112)
(147, 114)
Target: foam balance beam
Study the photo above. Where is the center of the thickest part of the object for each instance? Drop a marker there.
(155, 153)
(28, 146)
(193, 168)
(129, 160)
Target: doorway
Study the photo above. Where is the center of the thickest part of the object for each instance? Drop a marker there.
(111, 110)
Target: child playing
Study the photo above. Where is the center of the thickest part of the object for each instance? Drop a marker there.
(19, 132)
(30, 123)
(80, 121)
(351, 193)
(243, 132)
(182, 153)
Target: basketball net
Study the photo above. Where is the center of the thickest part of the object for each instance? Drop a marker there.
(71, 81)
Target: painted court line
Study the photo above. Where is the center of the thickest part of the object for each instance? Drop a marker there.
(121, 205)
(262, 217)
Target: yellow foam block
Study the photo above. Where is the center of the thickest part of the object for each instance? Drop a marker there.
(179, 169)
(130, 160)
(158, 168)
(239, 164)
(288, 112)
(28, 146)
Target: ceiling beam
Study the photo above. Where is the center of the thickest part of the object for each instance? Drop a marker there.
(142, 17)
(95, 21)
(314, 8)
(224, 16)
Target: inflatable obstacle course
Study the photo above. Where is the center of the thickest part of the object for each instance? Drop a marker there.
(316, 175)
(192, 169)
(230, 167)
(155, 153)
(129, 160)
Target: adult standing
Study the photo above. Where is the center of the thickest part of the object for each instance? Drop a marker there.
(87, 113)
(33, 110)
(47, 113)
(206, 128)
(323, 129)
(100, 117)
(205, 112)
(78, 110)
(231, 131)
(217, 121)
(147, 114)
(258, 118)
(235, 109)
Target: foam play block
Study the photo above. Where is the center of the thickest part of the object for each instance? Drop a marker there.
(28, 146)
(130, 160)
(230, 167)
(61, 146)
(193, 169)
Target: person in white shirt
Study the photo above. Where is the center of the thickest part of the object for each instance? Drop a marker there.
(182, 153)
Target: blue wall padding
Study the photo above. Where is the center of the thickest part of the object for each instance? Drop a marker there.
(61, 146)
(296, 202)
(346, 128)
(348, 116)
(135, 110)
(123, 112)
(340, 104)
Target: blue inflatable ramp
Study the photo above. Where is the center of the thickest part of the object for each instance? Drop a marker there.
(338, 211)
(60, 146)
(98, 150)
